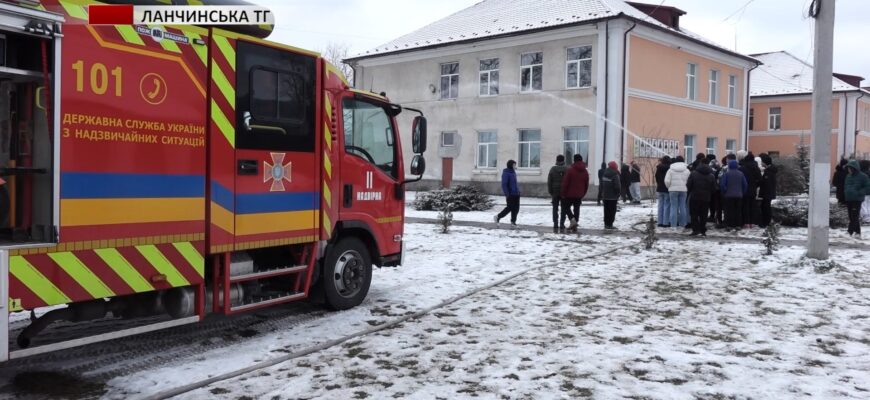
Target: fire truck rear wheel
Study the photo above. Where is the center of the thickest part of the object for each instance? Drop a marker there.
(347, 274)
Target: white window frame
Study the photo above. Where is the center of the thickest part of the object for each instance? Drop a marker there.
(491, 150)
(528, 143)
(531, 68)
(751, 119)
(692, 81)
(774, 121)
(688, 150)
(578, 62)
(732, 91)
(712, 150)
(575, 143)
(450, 95)
(730, 146)
(488, 74)
(451, 135)
(713, 95)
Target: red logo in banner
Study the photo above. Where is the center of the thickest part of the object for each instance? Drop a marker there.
(277, 172)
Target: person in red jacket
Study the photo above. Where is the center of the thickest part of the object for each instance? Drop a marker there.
(574, 187)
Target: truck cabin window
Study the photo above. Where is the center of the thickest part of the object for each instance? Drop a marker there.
(276, 97)
(368, 133)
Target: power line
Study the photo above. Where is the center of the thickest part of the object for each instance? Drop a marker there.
(743, 8)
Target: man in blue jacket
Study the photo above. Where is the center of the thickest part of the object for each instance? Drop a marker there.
(511, 192)
(733, 186)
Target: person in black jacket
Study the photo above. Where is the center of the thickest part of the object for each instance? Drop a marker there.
(716, 200)
(625, 181)
(600, 175)
(663, 198)
(839, 181)
(611, 188)
(767, 191)
(701, 185)
(753, 177)
(554, 187)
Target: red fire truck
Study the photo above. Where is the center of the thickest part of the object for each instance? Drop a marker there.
(184, 170)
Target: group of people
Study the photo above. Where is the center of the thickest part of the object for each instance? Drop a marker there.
(568, 185)
(853, 191)
(736, 193)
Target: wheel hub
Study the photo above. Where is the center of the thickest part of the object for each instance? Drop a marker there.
(349, 273)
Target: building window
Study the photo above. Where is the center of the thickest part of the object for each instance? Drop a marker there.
(487, 149)
(448, 139)
(712, 143)
(531, 72)
(579, 67)
(730, 146)
(774, 119)
(689, 146)
(530, 148)
(489, 77)
(751, 119)
(732, 91)
(449, 81)
(691, 81)
(714, 87)
(576, 142)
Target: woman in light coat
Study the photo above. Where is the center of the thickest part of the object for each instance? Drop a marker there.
(675, 180)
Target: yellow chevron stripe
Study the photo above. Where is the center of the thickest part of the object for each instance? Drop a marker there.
(223, 85)
(162, 265)
(201, 50)
(125, 270)
(224, 125)
(84, 276)
(226, 49)
(327, 107)
(327, 165)
(327, 195)
(192, 256)
(327, 135)
(36, 281)
(327, 224)
(74, 10)
(129, 34)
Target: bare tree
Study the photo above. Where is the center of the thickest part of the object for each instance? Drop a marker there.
(335, 53)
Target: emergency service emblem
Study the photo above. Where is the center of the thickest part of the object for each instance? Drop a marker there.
(277, 172)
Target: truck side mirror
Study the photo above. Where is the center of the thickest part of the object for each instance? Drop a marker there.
(418, 165)
(418, 136)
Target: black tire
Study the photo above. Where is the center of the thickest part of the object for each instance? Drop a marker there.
(347, 274)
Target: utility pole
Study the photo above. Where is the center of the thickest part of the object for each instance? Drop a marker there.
(820, 144)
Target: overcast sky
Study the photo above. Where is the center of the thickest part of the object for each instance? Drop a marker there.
(760, 26)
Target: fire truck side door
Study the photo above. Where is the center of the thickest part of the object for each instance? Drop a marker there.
(275, 194)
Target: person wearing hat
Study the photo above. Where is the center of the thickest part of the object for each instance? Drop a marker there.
(611, 189)
(554, 187)
(511, 193)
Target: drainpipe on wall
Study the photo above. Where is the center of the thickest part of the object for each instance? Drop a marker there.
(746, 108)
(857, 131)
(845, 116)
(624, 91)
(606, 88)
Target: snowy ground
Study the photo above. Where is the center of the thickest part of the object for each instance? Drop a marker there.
(685, 321)
(538, 212)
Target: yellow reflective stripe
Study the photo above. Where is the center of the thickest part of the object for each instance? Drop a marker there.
(327, 165)
(74, 10)
(327, 135)
(327, 224)
(129, 34)
(36, 281)
(162, 265)
(226, 49)
(84, 276)
(192, 256)
(122, 267)
(167, 44)
(224, 85)
(200, 50)
(223, 123)
(194, 2)
(327, 195)
(328, 107)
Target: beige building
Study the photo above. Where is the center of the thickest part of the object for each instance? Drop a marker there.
(781, 109)
(530, 79)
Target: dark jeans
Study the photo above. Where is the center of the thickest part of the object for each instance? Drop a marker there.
(716, 208)
(626, 196)
(749, 210)
(513, 208)
(854, 208)
(698, 212)
(766, 215)
(556, 202)
(733, 212)
(609, 212)
(571, 209)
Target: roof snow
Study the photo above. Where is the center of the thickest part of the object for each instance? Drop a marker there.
(490, 18)
(782, 73)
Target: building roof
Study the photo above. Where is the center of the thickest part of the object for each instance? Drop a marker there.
(493, 18)
(782, 74)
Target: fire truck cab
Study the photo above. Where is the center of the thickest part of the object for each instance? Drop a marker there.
(161, 173)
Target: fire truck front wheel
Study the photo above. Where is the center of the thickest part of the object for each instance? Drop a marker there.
(347, 274)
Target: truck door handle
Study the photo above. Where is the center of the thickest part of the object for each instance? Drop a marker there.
(248, 167)
(348, 195)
